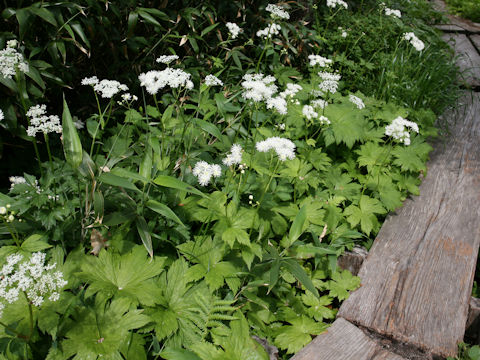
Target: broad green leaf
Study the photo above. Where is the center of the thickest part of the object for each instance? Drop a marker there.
(407, 158)
(115, 180)
(208, 127)
(297, 227)
(342, 282)
(145, 169)
(300, 274)
(123, 276)
(178, 354)
(171, 182)
(208, 29)
(145, 235)
(72, 147)
(164, 210)
(364, 213)
(295, 336)
(35, 242)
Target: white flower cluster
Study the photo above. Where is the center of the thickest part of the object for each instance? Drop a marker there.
(309, 112)
(11, 60)
(344, 32)
(233, 29)
(334, 3)
(278, 103)
(205, 171)
(40, 122)
(127, 98)
(16, 180)
(1, 115)
(357, 101)
(212, 80)
(393, 12)
(330, 82)
(235, 156)
(416, 42)
(258, 87)
(155, 80)
(166, 59)
(319, 103)
(277, 12)
(32, 277)
(106, 88)
(291, 90)
(398, 129)
(269, 31)
(319, 60)
(284, 148)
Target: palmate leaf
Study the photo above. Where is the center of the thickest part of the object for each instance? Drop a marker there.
(295, 336)
(340, 184)
(318, 307)
(127, 276)
(364, 213)
(371, 155)
(407, 158)
(187, 312)
(347, 126)
(102, 331)
(341, 283)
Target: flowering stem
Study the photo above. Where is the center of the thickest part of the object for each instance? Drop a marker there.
(269, 182)
(30, 311)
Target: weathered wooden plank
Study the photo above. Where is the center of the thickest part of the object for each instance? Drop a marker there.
(476, 41)
(464, 24)
(449, 28)
(469, 59)
(473, 321)
(344, 341)
(352, 260)
(417, 278)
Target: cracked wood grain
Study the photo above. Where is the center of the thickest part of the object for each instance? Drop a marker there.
(344, 341)
(417, 278)
(468, 60)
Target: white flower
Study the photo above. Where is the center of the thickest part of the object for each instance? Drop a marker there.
(324, 120)
(284, 148)
(334, 3)
(309, 112)
(3, 210)
(319, 103)
(155, 80)
(212, 80)
(40, 122)
(344, 34)
(277, 12)
(15, 180)
(108, 88)
(12, 43)
(205, 171)
(233, 29)
(357, 101)
(31, 276)
(278, 103)
(416, 42)
(10, 61)
(291, 90)
(127, 99)
(166, 59)
(1, 115)
(319, 60)
(398, 129)
(235, 156)
(258, 87)
(393, 12)
(90, 80)
(269, 31)
(329, 83)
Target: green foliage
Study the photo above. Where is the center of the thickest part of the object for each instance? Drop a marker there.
(159, 263)
(468, 9)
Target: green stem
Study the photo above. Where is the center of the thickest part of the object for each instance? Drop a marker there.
(30, 312)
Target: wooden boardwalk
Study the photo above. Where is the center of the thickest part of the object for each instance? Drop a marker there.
(417, 278)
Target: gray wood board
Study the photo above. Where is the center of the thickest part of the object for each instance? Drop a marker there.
(476, 41)
(417, 278)
(344, 341)
(468, 60)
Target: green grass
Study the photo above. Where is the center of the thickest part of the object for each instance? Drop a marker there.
(469, 9)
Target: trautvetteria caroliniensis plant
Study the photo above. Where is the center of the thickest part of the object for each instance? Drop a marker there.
(209, 194)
